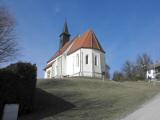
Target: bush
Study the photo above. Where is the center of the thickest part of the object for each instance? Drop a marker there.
(118, 76)
(17, 85)
(158, 77)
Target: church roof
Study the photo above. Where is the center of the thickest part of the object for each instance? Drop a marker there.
(154, 66)
(87, 40)
(58, 53)
(62, 50)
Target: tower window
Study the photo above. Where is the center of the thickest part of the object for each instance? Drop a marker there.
(86, 59)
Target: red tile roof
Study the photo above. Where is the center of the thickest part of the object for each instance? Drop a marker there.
(58, 53)
(61, 51)
(88, 40)
(48, 65)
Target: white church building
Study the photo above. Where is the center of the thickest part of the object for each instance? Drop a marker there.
(81, 56)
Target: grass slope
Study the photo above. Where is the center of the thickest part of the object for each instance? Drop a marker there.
(88, 99)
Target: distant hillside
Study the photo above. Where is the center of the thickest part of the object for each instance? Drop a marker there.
(88, 99)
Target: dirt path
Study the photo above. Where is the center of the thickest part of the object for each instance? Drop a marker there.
(149, 111)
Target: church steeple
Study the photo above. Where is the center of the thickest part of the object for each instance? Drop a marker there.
(64, 36)
(65, 29)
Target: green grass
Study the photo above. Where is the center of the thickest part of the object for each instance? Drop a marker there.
(88, 99)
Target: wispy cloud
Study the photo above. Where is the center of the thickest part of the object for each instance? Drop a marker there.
(57, 8)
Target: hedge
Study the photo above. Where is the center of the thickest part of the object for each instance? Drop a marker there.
(17, 85)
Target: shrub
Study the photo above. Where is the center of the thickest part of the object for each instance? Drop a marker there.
(118, 76)
(158, 77)
(17, 85)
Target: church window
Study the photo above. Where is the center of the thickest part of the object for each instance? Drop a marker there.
(95, 60)
(77, 59)
(86, 59)
(48, 74)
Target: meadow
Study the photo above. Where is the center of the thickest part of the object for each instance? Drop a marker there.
(88, 99)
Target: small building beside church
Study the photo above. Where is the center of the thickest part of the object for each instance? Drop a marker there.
(81, 56)
(153, 71)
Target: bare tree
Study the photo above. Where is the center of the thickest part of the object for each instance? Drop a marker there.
(128, 69)
(107, 73)
(138, 70)
(142, 64)
(8, 45)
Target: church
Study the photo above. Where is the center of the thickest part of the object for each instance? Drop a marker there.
(81, 56)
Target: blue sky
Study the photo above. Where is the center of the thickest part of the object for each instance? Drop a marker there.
(125, 28)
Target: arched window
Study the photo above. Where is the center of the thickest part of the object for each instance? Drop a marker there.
(95, 60)
(77, 60)
(86, 59)
(48, 74)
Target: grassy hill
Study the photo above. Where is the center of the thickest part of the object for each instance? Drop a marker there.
(88, 99)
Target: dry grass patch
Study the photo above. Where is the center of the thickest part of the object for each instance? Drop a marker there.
(89, 99)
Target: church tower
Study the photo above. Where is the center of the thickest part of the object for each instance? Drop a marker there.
(64, 36)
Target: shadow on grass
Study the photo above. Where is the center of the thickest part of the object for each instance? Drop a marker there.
(47, 105)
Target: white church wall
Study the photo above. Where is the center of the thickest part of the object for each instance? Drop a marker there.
(54, 69)
(59, 67)
(48, 72)
(73, 64)
(64, 64)
(92, 69)
(97, 71)
(86, 67)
